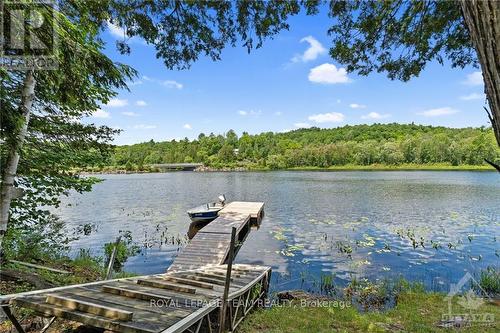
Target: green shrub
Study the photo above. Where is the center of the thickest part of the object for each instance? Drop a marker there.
(489, 281)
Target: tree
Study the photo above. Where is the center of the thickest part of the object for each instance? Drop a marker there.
(226, 153)
(360, 144)
(401, 37)
(43, 138)
(232, 138)
(180, 32)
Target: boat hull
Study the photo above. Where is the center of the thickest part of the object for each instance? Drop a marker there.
(203, 216)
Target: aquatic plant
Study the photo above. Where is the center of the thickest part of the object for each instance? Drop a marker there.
(125, 248)
(366, 294)
(344, 248)
(327, 285)
(489, 281)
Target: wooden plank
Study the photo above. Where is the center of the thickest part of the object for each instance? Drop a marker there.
(199, 262)
(218, 278)
(234, 274)
(209, 274)
(203, 278)
(93, 308)
(133, 293)
(206, 257)
(82, 317)
(145, 314)
(6, 298)
(208, 244)
(165, 285)
(148, 314)
(202, 235)
(181, 288)
(175, 296)
(188, 282)
(50, 269)
(208, 238)
(217, 257)
(171, 306)
(205, 250)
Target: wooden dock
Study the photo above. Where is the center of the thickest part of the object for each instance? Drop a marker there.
(187, 298)
(211, 244)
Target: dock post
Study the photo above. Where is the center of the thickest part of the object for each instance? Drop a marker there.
(13, 320)
(109, 271)
(222, 316)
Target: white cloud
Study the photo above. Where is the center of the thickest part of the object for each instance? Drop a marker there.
(474, 79)
(328, 74)
(302, 125)
(187, 126)
(141, 103)
(130, 114)
(438, 112)
(167, 83)
(101, 114)
(375, 115)
(278, 113)
(314, 50)
(116, 31)
(172, 84)
(330, 117)
(143, 127)
(249, 113)
(117, 103)
(357, 106)
(472, 96)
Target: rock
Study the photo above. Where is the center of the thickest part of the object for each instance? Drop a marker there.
(292, 295)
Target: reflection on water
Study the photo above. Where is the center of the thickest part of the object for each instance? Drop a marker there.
(427, 226)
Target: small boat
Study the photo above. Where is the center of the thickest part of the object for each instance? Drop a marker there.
(207, 212)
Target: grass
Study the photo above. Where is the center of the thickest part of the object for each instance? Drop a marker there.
(414, 312)
(489, 280)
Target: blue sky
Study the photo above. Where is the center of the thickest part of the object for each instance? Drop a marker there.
(290, 82)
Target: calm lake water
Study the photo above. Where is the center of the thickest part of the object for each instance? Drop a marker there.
(317, 224)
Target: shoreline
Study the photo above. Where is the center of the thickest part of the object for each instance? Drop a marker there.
(340, 168)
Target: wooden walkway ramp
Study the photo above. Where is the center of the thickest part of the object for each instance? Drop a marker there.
(211, 244)
(187, 298)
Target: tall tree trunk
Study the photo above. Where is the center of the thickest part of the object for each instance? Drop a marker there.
(9, 173)
(482, 18)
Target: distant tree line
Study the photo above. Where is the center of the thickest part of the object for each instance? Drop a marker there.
(389, 144)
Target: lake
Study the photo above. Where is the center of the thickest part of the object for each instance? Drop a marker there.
(423, 225)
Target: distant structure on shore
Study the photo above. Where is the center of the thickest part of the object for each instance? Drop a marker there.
(177, 166)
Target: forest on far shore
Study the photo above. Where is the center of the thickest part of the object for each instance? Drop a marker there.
(385, 144)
